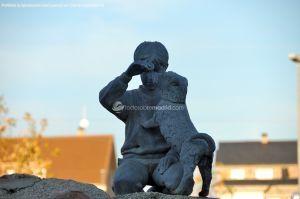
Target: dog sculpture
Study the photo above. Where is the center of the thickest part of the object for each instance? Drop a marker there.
(194, 148)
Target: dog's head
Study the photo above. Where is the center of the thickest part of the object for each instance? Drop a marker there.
(174, 87)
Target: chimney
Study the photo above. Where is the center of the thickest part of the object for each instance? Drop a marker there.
(264, 138)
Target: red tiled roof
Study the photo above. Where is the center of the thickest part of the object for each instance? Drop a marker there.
(89, 159)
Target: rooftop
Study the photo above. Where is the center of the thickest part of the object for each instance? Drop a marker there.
(88, 159)
(274, 152)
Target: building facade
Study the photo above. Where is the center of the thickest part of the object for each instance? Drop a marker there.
(260, 170)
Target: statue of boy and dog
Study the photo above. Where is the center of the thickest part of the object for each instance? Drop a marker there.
(162, 147)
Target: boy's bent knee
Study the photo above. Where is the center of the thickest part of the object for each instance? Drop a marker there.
(125, 186)
(130, 177)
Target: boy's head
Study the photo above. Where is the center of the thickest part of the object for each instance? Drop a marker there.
(156, 54)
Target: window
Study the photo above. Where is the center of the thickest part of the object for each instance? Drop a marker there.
(264, 174)
(10, 171)
(237, 174)
(248, 195)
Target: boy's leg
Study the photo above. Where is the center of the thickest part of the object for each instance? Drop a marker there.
(170, 178)
(131, 176)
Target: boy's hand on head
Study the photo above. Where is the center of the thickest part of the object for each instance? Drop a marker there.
(138, 67)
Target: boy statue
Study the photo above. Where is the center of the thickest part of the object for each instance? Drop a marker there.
(147, 157)
(143, 148)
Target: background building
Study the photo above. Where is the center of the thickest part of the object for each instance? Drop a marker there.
(256, 169)
(87, 159)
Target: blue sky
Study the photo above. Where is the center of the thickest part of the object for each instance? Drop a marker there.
(234, 53)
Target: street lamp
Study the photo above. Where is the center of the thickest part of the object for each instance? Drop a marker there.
(296, 59)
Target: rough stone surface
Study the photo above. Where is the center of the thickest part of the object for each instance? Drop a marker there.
(23, 186)
(153, 195)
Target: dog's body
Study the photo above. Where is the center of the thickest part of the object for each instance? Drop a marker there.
(194, 148)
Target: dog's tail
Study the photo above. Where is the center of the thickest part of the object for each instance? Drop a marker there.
(210, 141)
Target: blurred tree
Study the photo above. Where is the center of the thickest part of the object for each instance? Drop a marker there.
(25, 154)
